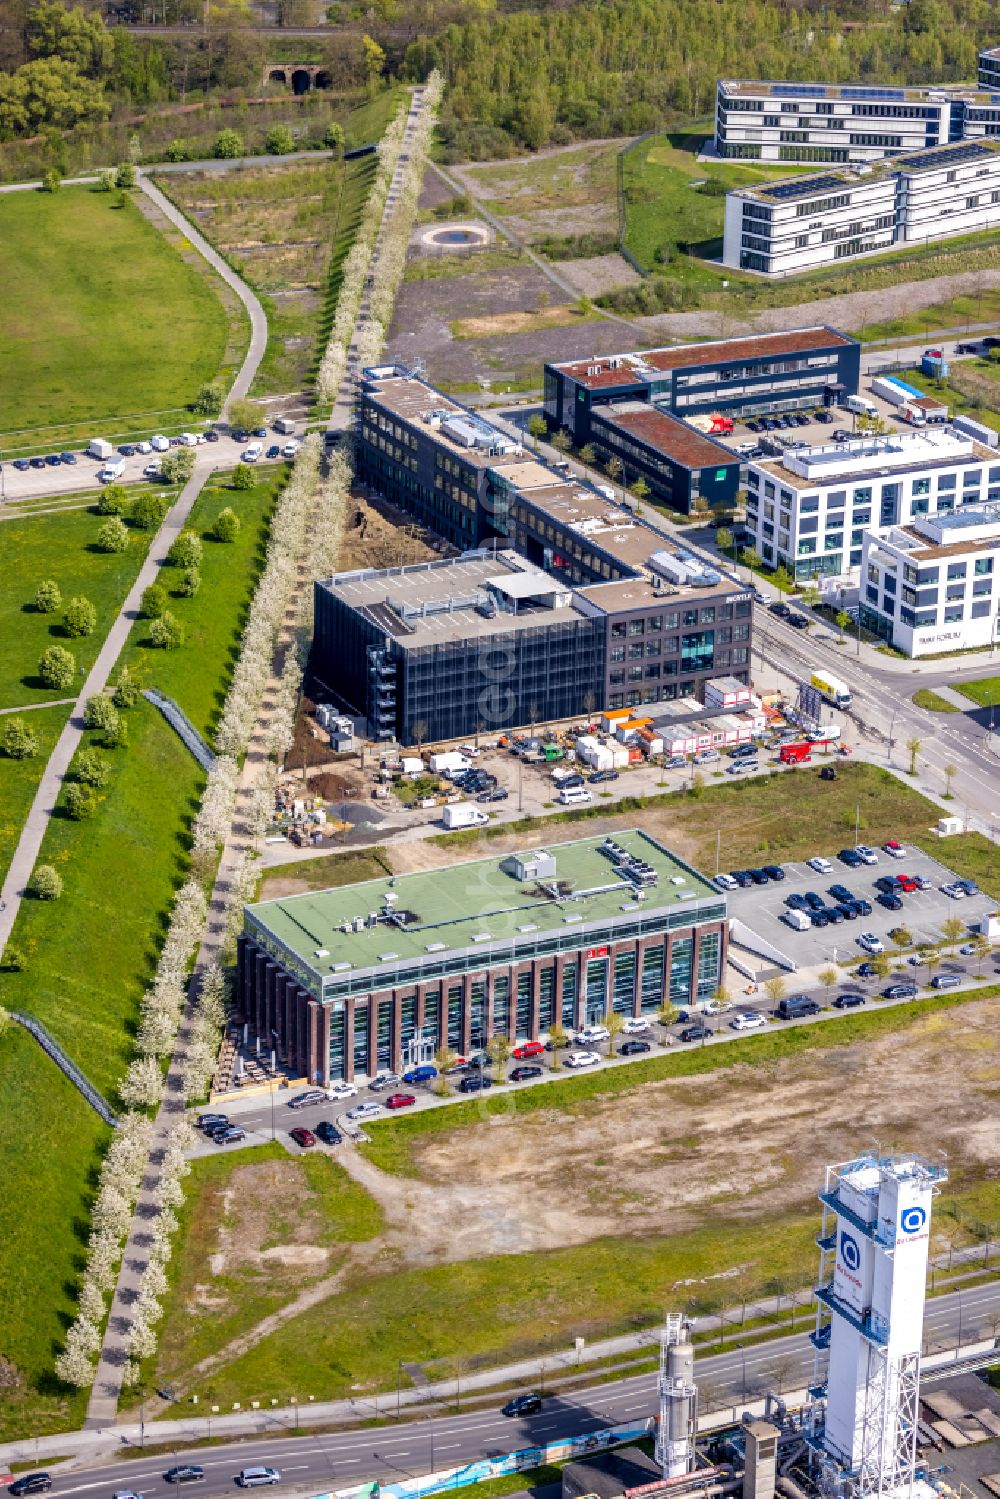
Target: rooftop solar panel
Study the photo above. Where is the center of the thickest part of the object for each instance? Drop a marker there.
(944, 156)
(807, 187)
(872, 93)
(797, 90)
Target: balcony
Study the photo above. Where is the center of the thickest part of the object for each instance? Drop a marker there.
(874, 1329)
(869, 1230)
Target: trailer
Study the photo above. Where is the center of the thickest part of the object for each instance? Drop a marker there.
(895, 391)
(832, 688)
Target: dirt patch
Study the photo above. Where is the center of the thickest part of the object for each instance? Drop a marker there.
(516, 322)
(380, 535)
(595, 274)
(264, 1201)
(670, 1155)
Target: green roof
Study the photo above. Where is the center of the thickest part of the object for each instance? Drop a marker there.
(476, 904)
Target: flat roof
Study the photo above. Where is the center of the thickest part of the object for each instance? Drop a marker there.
(667, 434)
(429, 603)
(468, 905)
(804, 186)
(402, 394)
(642, 365)
(930, 550)
(896, 455)
(850, 93)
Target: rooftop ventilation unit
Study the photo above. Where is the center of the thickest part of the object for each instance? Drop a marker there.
(436, 946)
(321, 952)
(387, 957)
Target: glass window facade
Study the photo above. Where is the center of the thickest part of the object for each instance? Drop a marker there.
(680, 969)
(623, 995)
(651, 995)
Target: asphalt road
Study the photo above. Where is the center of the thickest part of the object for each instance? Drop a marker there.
(323, 1461)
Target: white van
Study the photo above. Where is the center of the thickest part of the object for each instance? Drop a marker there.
(111, 471)
(252, 453)
(861, 406)
(797, 920)
(574, 796)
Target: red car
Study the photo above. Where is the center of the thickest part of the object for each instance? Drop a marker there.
(303, 1136)
(528, 1049)
(906, 882)
(400, 1100)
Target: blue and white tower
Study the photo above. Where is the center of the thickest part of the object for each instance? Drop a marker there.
(873, 1269)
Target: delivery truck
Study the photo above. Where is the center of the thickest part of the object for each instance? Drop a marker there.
(832, 688)
(99, 447)
(463, 815)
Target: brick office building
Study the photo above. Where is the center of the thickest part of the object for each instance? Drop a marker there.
(345, 982)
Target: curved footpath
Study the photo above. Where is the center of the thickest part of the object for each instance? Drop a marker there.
(30, 842)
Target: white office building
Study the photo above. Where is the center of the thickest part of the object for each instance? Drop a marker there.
(781, 228)
(841, 123)
(810, 511)
(932, 585)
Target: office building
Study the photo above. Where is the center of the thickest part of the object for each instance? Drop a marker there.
(843, 124)
(681, 466)
(809, 511)
(378, 975)
(564, 602)
(801, 223)
(932, 585)
(762, 372)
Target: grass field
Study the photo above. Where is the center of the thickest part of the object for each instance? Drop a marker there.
(60, 547)
(985, 691)
(100, 315)
(926, 697)
(19, 779)
(330, 870)
(46, 1168)
(958, 313)
(214, 618)
(312, 1204)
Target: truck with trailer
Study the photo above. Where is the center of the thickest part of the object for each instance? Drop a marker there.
(913, 405)
(832, 688)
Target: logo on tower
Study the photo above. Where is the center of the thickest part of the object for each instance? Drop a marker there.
(912, 1219)
(849, 1252)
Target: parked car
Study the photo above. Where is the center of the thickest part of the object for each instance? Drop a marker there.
(601, 775)
(774, 872)
(476, 1082)
(37, 462)
(340, 1090)
(582, 1059)
(310, 1096)
(22, 465)
(894, 850)
(522, 1405)
(969, 887)
(795, 901)
(68, 458)
(231, 1135)
(273, 451)
(592, 1034)
(707, 757)
(636, 1025)
(724, 882)
(208, 1122)
(521, 1074)
(887, 883)
(899, 991)
(187, 1473)
(633, 1048)
(718, 1007)
(841, 892)
(256, 1478)
(865, 854)
(695, 1033)
(425, 1073)
(743, 878)
(749, 1020)
(923, 883)
(867, 971)
(946, 981)
(851, 858)
(849, 1001)
(742, 767)
(834, 915)
(821, 866)
(405, 1100)
(890, 902)
(797, 621)
(906, 883)
(528, 1049)
(328, 1133)
(676, 762)
(494, 794)
(303, 1137)
(955, 891)
(361, 1111)
(384, 1080)
(847, 909)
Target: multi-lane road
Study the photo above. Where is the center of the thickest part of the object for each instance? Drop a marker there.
(320, 1461)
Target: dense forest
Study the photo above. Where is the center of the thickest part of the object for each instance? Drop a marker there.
(528, 78)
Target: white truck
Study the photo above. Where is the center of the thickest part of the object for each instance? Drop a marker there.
(111, 471)
(832, 688)
(449, 763)
(463, 815)
(99, 447)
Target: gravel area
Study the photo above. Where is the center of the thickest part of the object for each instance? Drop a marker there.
(597, 274)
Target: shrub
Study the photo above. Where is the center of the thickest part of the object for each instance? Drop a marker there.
(48, 597)
(228, 145)
(126, 693)
(186, 550)
(176, 150)
(167, 632)
(100, 712)
(125, 177)
(115, 736)
(189, 584)
(80, 801)
(279, 140)
(242, 477)
(91, 769)
(113, 537)
(57, 668)
(80, 617)
(177, 466)
(106, 181)
(114, 500)
(154, 601)
(227, 525)
(333, 136)
(208, 401)
(46, 883)
(17, 741)
(148, 511)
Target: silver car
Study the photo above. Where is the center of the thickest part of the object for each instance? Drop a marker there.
(256, 1478)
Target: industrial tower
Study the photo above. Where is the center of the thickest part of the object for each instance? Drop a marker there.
(678, 1424)
(873, 1267)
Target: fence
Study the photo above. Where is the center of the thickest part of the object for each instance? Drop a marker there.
(52, 1049)
(181, 726)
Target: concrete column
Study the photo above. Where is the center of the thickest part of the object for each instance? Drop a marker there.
(313, 1028)
(323, 1064)
(465, 1032)
(536, 998)
(349, 1039)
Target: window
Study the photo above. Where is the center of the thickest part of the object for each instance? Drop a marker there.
(983, 565)
(569, 997)
(927, 575)
(680, 970)
(980, 610)
(523, 1019)
(651, 992)
(921, 486)
(956, 570)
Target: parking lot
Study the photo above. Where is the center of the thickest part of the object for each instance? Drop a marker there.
(923, 914)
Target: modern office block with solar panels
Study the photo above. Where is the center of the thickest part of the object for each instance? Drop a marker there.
(906, 201)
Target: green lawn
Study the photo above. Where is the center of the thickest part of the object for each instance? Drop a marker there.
(90, 954)
(49, 1142)
(214, 618)
(985, 691)
(100, 316)
(60, 547)
(332, 869)
(926, 697)
(19, 779)
(958, 313)
(310, 1199)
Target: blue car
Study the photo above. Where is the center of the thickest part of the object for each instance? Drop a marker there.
(422, 1074)
(69, 458)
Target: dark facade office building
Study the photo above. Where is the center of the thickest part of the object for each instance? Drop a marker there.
(678, 463)
(765, 372)
(380, 975)
(568, 604)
